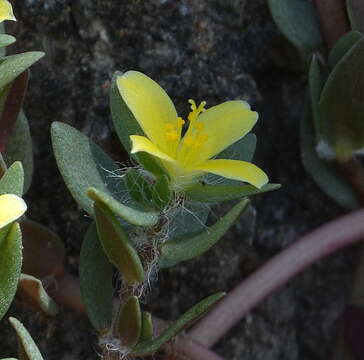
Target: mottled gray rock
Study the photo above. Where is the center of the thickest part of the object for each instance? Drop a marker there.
(207, 50)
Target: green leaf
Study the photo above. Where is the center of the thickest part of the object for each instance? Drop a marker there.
(298, 21)
(129, 322)
(342, 103)
(139, 188)
(13, 180)
(96, 275)
(12, 66)
(162, 194)
(181, 249)
(117, 246)
(83, 164)
(150, 163)
(323, 172)
(39, 242)
(342, 46)
(187, 319)
(316, 82)
(243, 150)
(355, 12)
(123, 119)
(6, 40)
(212, 194)
(146, 332)
(185, 220)
(127, 213)
(19, 148)
(12, 98)
(28, 350)
(10, 264)
(32, 292)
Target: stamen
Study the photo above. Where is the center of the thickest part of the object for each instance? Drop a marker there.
(200, 126)
(171, 135)
(195, 111)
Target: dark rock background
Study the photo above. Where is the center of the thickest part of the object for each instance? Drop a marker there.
(207, 50)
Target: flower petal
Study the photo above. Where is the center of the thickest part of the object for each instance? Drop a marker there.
(221, 126)
(150, 104)
(236, 170)
(141, 143)
(6, 11)
(11, 208)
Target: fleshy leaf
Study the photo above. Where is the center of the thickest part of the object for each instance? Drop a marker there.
(147, 327)
(19, 148)
(144, 348)
(83, 164)
(243, 150)
(13, 180)
(355, 13)
(28, 350)
(123, 119)
(342, 103)
(184, 220)
(39, 242)
(129, 322)
(316, 83)
(10, 264)
(127, 213)
(298, 22)
(139, 188)
(12, 103)
(6, 40)
(323, 172)
(162, 194)
(12, 66)
(342, 46)
(32, 292)
(117, 246)
(150, 163)
(96, 274)
(181, 249)
(212, 193)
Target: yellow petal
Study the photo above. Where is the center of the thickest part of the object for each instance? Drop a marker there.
(220, 126)
(236, 170)
(6, 11)
(150, 104)
(141, 143)
(11, 208)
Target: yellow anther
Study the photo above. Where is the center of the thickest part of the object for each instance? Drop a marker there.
(189, 141)
(203, 138)
(170, 126)
(200, 126)
(171, 135)
(180, 121)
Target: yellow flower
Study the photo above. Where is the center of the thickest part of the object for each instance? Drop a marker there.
(11, 208)
(188, 155)
(6, 11)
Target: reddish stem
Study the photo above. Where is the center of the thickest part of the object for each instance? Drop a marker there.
(275, 273)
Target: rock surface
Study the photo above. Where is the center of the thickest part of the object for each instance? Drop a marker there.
(206, 50)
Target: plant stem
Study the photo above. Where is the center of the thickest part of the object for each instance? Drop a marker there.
(333, 19)
(275, 273)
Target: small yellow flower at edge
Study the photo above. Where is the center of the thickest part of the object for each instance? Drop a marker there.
(11, 208)
(188, 156)
(6, 11)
